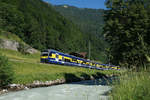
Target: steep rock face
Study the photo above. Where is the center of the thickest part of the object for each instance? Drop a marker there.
(13, 45)
(8, 44)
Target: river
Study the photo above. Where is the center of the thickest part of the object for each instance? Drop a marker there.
(85, 90)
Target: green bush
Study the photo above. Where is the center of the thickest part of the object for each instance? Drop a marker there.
(23, 48)
(6, 72)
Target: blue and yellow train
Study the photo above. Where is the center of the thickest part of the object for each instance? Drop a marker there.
(55, 57)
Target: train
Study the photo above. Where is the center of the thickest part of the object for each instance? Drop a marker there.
(55, 57)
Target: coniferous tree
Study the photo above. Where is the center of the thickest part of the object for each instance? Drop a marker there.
(125, 29)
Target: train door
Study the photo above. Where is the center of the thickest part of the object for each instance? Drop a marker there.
(57, 57)
(63, 60)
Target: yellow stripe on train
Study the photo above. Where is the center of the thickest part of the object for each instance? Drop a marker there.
(44, 57)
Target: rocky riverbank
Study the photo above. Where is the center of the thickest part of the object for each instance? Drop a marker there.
(36, 84)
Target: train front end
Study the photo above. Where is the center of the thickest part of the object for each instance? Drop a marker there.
(44, 58)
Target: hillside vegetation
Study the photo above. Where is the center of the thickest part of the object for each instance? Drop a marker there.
(90, 22)
(9, 36)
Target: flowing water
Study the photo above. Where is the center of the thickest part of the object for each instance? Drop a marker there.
(85, 90)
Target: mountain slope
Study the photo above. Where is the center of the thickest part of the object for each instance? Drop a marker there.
(39, 25)
(90, 22)
(83, 17)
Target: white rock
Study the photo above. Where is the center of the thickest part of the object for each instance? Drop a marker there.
(5, 90)
(26, 88)
(14, 85)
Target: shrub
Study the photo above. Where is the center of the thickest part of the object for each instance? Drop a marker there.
(23, 48)
(6, 71)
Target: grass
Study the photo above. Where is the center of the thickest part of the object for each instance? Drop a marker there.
(14, 55)
(28, 72)
(132, 86)
(27, 68)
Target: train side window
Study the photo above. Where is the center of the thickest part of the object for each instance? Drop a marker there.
(67, 60)
(83, 62)
(93, 64)
(99, 65)
(87, 63)
(57, 55)
(96, 65)
(74, 59)
(79, 61)
(45, 54)
(50, 54)
(90, 64)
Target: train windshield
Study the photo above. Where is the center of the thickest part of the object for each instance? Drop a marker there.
(44, 54)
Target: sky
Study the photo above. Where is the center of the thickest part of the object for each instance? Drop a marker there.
(95, 4)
